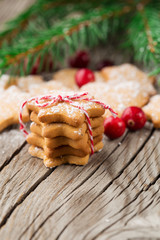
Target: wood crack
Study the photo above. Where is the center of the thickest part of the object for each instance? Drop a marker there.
(136, 175)
(49, 216)
(129, 184)
(29, 225)
(152, 183)
(149, 204)
(24, 196)
(16, 152)
(135, 155)
(153, 199)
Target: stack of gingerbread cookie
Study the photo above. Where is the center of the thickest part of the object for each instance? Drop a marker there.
(60, 134)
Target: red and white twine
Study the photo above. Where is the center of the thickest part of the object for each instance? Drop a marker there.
(68, 98)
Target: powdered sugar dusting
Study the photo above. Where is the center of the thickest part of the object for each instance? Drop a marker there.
(10, 102)
(120, 95)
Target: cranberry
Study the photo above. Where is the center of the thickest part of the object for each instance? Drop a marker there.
(134, 117)
(114, 127)
(80, 60)
(84, 76)
(104, 63)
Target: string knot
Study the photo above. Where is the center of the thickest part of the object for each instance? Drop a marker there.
(59, 98)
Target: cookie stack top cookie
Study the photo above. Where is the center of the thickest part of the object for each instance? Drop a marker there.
(71, 114)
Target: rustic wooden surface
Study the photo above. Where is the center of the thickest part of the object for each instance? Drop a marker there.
(116, 196)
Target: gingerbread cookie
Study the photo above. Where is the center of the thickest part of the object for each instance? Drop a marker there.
(67, 150)
(53, 162)
(46, 88)
(6, 81)
(35, 139)
(120, 95)
(50, 163)
(26, 83)
(80, 143)
(66, 77)
(21, 82)
(152, 110)
(128, 72)
(10, 102)
(95, 122)
(64, 112)
(59, 129)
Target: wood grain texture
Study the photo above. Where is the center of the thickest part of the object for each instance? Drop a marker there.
(11, 142)
(21, 175)
(18, 179)
(88, 202)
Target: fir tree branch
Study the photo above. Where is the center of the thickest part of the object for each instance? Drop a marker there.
(144, 34)
(62, 31)
(54, 31)
(15, 26)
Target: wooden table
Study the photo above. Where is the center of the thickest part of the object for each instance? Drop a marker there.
(115, 196)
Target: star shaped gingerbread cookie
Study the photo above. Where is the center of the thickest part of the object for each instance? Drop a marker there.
(10, 102)
(152, 110)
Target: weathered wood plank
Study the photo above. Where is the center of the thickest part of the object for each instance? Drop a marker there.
(128, 194)
(11, 142)
(55, 206)
(145, 225)
(141, 225)
(23, 174)
(18, 179)
(146, 222)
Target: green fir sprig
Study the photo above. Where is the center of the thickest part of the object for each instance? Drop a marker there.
(57, 28)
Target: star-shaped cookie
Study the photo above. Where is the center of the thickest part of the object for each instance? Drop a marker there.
(10, 102)
(128, 72)
(118, 96)
(152, 110)
(46, 87)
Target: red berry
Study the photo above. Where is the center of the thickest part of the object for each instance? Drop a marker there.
(134, 118)
(104, 63)
(114, 127)
(84, 76)
(80, 60)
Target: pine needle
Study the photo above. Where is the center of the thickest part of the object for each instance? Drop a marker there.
(59, 27)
